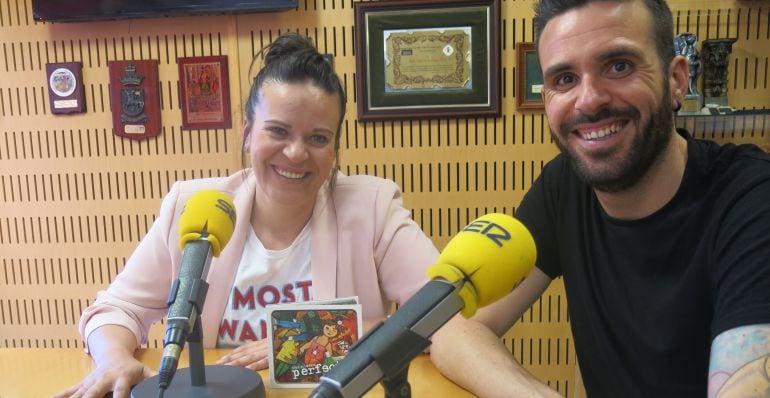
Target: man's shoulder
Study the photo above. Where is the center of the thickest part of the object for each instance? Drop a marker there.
(733, 175)
(731, 160)
(559, 163)
(559, 171)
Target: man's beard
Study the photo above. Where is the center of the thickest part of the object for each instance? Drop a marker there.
(649, 143)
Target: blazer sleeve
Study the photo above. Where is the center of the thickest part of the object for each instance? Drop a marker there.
(402, 251)
(137, 297)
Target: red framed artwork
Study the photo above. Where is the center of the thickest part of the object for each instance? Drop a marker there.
(204, 92)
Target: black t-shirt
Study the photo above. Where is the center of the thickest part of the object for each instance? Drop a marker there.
(646, 297)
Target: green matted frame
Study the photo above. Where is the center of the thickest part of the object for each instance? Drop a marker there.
(529, 78)
(480, 98)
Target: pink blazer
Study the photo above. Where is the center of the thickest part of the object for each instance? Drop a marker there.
(363, 243)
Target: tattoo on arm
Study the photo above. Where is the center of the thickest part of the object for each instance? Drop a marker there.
(740, 363)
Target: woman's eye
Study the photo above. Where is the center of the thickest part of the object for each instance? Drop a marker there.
(277, 131)
(319, 139)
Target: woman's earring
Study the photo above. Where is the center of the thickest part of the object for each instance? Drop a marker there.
(677, 106)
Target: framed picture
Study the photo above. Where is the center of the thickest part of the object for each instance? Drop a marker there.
(427, 58)
(204, 92)
(529, 78)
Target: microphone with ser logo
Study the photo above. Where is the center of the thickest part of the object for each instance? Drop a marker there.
(480, 265)
(205, 227)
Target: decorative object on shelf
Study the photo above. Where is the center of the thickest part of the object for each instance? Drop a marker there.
(529, 79)
(204, 92)
(686, 45)
(134, 98)
(427, 58)
(65, 87)
(716, 54)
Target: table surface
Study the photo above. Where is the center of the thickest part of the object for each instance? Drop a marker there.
(41, 372)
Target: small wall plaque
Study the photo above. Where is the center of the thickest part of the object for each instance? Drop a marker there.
(134, 98)
(65, 87)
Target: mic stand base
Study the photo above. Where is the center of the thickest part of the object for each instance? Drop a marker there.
(221, 382)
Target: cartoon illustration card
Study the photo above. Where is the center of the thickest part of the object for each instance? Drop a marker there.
(308, 340)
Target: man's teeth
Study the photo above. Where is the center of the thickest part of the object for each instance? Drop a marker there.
(291, 175)
(609, 130)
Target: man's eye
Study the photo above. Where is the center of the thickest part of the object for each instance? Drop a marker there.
(620, 67)
(565, 80)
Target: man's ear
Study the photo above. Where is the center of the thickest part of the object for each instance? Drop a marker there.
(679, 78)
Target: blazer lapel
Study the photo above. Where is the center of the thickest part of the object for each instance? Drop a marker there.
(224, 268)
(323, 247)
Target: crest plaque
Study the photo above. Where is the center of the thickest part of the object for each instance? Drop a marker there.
(134, 98)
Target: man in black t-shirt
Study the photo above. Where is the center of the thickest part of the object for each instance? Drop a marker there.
(663, 240)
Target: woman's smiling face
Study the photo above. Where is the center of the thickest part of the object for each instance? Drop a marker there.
(292, 140)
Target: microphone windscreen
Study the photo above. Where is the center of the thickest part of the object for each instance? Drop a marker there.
(493, 254)
(211, 212)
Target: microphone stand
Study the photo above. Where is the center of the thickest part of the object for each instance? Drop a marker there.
(393, 363)
(204, 381)
(398, 385)
(223, 381)
(383, 354)
(195, 353)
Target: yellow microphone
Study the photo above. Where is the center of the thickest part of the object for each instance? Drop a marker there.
(205, 226)
(492, 255)
(480, 265)
(209, 214)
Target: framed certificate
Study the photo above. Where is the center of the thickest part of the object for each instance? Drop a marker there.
(529, 78)
(427, 59)
(204, 92)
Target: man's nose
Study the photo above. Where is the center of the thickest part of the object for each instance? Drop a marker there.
(592, 96)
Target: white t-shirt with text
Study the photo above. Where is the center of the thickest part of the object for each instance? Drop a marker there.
(264, 277)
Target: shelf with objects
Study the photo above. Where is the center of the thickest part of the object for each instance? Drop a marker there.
(707, 113)
(740, 126)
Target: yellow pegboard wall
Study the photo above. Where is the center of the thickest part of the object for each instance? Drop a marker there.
(76, 199)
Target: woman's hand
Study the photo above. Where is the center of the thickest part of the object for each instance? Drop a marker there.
(118, 375)
(252, 355)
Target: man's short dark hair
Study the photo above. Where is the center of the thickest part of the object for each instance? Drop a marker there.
(662, 22)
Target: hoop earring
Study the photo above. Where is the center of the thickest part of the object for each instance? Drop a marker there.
(677, 106)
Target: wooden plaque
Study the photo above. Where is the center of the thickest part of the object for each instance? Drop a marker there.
(65, 87)
(134, 98)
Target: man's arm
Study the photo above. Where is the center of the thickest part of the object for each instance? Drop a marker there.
(740, 363)
(469, 351)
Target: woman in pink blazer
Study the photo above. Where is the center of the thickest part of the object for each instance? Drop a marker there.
(362, 241)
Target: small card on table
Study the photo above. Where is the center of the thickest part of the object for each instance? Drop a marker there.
(308, 339)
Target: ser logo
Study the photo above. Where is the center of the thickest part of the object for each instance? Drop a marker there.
(493, 231)
(226, 207)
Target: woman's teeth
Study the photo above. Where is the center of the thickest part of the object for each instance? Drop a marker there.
(288, 174)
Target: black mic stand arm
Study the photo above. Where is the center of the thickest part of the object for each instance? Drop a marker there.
(381, 356)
